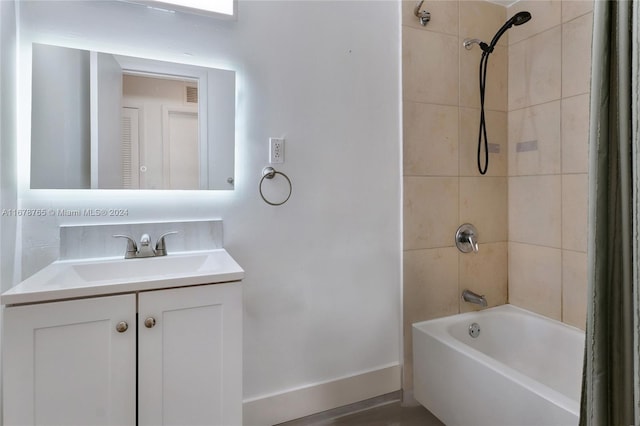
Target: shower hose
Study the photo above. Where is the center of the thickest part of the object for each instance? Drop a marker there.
(482, 133)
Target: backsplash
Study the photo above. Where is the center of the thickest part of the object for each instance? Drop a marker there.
(88, 241)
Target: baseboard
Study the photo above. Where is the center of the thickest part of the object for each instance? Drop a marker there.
(290, 405)
(408, 400)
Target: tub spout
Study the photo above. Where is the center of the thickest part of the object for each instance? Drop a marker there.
(471, 297)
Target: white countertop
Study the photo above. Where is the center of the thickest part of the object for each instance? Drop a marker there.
(67, 279)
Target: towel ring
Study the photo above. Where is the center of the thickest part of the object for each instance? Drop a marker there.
(270, 173)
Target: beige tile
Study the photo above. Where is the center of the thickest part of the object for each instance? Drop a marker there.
(429, 67)
(573, 8)
(430, 212)
(430, 140)
(535, 275)
(576, 55)
(574, 212)
(481, 20)
(535, 73)
(545, 14)
(575, 134)
(497, 79)
(517, 76)
(483, 203)
(574, 288)
(535, 210)
(430, 290)
(468, 146)
(535, 131)
(444, 16)
(484, 273)
(430, 283)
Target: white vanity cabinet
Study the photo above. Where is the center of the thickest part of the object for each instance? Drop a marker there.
(160, 357)
(189, 363)
(64, 363)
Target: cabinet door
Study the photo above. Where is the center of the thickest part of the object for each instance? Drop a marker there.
(65, 363)
(190, 363)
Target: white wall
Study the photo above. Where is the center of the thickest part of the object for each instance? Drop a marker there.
(8, 175)
(322, 288)
(8, 183)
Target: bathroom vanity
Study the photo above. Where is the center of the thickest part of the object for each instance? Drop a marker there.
(154, 341)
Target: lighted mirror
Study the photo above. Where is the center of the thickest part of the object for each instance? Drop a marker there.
(105, 121)
(218, 8)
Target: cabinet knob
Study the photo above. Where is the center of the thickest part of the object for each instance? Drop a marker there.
(122, 326)
(150, 322)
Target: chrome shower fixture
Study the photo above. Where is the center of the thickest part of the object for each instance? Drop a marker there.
(517, 19)
(469, 42)
(422, 15)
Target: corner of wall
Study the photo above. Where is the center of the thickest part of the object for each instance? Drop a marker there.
(8, 172)
(8, 181)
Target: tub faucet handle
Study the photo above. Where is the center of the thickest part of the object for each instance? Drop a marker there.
(466, 238)
(473, 242)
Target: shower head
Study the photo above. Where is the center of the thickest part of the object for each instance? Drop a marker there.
(520, 18)
(517, 19)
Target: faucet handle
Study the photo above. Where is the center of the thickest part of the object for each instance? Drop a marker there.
(132, 247)
(472, 240)
(466, 238)
(161, 247)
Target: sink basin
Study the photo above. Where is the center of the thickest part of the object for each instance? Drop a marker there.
(83, 278)
(140, 268)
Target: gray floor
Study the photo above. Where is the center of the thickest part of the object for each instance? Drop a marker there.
(390, 414)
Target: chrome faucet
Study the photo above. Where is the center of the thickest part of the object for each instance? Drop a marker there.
(145, 250)
(471, 297)
(467, 238)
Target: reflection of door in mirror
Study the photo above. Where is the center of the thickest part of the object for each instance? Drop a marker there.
(160, 146)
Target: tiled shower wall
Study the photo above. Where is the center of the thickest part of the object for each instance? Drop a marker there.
(531, 207)
(549, 83)
(442, 187)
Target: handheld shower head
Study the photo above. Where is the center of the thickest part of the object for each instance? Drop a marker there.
(520, 18)
(517, 19)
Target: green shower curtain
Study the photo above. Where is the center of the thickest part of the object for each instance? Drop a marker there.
(610, 378)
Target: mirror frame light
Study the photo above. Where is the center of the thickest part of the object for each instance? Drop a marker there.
(221, 9)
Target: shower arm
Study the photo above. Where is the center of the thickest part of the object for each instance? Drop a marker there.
(423, 15)
(488, 48)
(469, 42)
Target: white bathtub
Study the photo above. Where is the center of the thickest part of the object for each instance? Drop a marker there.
(522, 369)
